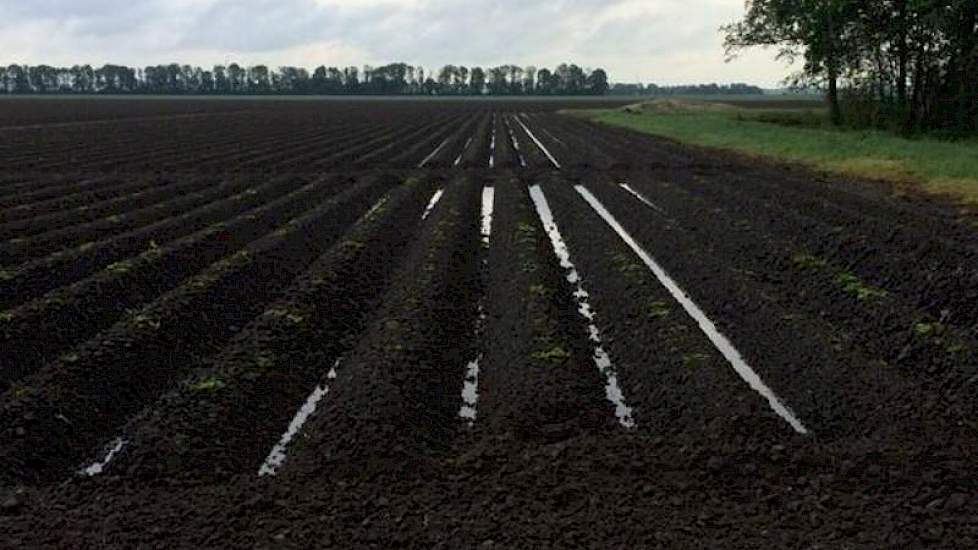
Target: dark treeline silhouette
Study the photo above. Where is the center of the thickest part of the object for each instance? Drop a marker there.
(693, 89)
(905, 64)
(233, 79)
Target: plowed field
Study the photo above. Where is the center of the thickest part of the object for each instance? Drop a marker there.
(468, 324)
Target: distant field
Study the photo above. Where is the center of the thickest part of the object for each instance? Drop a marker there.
(796, 131)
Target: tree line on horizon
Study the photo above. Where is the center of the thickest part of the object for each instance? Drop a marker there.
(234, 79)
(639, 89)
(910, 65)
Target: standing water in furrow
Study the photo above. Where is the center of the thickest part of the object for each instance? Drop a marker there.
(470, 390)
(230, 415)
(395, 400)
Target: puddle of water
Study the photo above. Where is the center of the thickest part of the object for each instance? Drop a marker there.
(470, 388)
(540, 145)
(488, 201)
(112, 450)
(720, 341)
(435, 152)
(431, 204)
(277, 455)
(642, 198)
(492, 144)
(460, 155)
(516, 143)
(601, 358)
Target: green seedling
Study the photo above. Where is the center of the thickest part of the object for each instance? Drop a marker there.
(526, 229)
(353, 245)
(265, 360)
(659, 310)
(124, 266)
(70, 357)
(538, 290)
(695, 360)
(926, 330)
(211, 384)
(6, 316)
(807, 261)
(143, 321)
(528, 266)
(555, 354)
(294, 317)
(854, 287)
(6, 275)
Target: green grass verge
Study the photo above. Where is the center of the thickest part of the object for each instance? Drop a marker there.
(935, 166)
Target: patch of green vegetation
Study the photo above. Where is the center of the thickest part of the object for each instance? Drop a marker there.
(528, 265)
(115, 218)
(117, 268)
(539, 290)
(526, 230)
(928, 330)
(556, 354)
(860, 290)
(937, 166)
(6, 316)
(695, 360)
(265, 360)
(210, 384)
(6, 275)
(808, 261)
(70, 357)
(659, 310)
(627, 266)
(83, 247)
(143, 321)
(293, 316)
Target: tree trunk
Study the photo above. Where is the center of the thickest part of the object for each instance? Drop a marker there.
(832, 65)
(903, 54)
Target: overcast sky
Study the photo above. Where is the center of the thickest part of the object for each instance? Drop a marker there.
(662, 41)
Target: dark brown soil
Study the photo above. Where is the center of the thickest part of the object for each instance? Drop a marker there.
(180, 276)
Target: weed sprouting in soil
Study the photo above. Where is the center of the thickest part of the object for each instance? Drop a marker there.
(555, 354)
(265, 360)
(142, 321)
(210, 384)
(808, 261)
(6, 316)
(119, 268)
(539, 290)
(659, 310)
(853, 286)
(695, 360)
(293, 316)
(928, 330)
